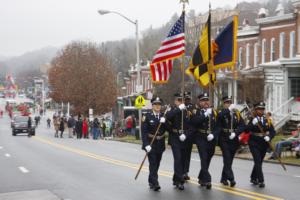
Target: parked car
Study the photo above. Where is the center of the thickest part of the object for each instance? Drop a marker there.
(19, 124)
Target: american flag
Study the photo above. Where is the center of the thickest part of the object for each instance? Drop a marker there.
(161, 71)
(172, 47)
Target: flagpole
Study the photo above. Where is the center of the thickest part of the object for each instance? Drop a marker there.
(182, 66)
(211, 89)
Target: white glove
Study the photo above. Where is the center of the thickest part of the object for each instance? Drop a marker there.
(254, 121)
(148, 148)
(208, 112)
(232, 135)
(231, 107)
(210, 137)
(181, 106)
(182, 137)
(267, 138)
(162, 120)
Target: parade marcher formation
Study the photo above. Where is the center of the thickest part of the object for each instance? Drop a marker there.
(204, 126)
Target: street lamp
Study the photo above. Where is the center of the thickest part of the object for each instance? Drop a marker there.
(139, 87)
(138, 68)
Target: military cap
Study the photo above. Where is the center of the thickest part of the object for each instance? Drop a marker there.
(187, 95)
(178, 95)
(156, 100)
(260, 105)
(226, 99)
(203, 97)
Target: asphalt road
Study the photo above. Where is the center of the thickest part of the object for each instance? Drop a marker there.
(88, 170)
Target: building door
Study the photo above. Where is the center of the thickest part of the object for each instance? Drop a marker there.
(295, 88)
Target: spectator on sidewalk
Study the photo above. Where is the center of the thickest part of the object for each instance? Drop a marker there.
(78, 128)
(95, 128)
(129, 123)
(36, 119)
(62, 127)
(103, 127)
(286, 143)
(133, 125)
(85, 128)
(56, 125)
(49, 122)
(29, 124)
(71, 124)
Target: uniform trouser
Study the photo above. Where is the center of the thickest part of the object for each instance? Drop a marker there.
(258, 153)
(154, 162)
(178, 155)
(228, 151)
(187, 157)
(206, 151)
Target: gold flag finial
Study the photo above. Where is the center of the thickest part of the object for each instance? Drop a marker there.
(184, 1)
(183, 4)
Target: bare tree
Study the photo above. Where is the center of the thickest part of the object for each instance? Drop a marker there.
(82, 75)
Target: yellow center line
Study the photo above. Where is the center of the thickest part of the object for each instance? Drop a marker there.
(235, 191)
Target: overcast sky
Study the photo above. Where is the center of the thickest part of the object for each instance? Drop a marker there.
(27, 25)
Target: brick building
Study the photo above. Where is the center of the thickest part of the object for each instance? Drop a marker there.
(268, 66)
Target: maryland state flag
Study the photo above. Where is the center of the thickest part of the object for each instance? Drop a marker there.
(225, 54)
(198, 66)
(222, 52)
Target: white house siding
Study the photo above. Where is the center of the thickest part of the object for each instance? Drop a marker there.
(275, 93)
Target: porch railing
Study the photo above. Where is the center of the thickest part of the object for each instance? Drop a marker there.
(283, 113)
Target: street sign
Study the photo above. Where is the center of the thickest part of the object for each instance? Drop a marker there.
(139, 102)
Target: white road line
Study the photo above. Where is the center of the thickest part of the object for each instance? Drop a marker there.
(1, 147)
(23, 169)
(297, 176)
(197, 160)
(7, 155)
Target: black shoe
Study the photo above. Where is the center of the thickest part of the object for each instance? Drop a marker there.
(156, 187)
(151, 186)
(200, 183)
(180, 186)
(254, 182)
(225, 182)
(208, 186)
(232, 183)
(261, 185)
(271, 158)
(186, 177)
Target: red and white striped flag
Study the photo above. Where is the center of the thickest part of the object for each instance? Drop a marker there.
(172, 47)
(161, 71)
